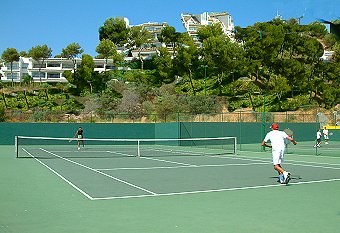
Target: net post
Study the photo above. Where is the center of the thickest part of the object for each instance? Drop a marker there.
(138, 148)
(316, 149)
(16, 146)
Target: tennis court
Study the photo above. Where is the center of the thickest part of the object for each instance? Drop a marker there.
(157, 188)
(306, 148)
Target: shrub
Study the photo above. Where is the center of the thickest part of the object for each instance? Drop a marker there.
(2, 114)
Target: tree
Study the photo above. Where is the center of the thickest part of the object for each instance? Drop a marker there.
(83, 74)
(279, 86)
(164, 65)
(295, 73)
(169, 36)
(39, 54)
(336, 55)
(71, 52)
(286, 49)
(86, 71)
(326, 84)
(23, 54)
(2, 114)
(205, 32)
(139, 36)
(114, 29)
(3, 93)
(222, 57)
(10, 55)
(107, 49)
(187, 63)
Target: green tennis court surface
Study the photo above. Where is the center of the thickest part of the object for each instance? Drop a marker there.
(302, 148)
(55, 189)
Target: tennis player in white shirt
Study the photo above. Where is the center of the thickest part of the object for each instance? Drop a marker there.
(277, 143)
(325, 134)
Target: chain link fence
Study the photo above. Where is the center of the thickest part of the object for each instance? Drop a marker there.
(237, 116)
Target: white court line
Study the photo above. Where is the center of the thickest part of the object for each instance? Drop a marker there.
(167, 161)
(289, 153)
(102, 173)
(204, 191)
(217, 190)
(93, 151)
(187, 152)
(243, 158)
(285, 161)
(184, 164)
(63, 178)
(316, 166)
(193, 166)
(182, 152)
(113, 152)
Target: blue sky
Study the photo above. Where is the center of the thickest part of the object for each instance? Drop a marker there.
(24, 24)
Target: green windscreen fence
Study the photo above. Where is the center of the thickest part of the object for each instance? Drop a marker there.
(67, 130)
(249, 135)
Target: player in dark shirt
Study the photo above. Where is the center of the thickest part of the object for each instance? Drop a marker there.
(79, 135)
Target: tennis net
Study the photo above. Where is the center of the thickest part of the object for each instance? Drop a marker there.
(49, 147)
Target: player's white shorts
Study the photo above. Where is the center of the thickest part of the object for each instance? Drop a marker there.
(278, 156)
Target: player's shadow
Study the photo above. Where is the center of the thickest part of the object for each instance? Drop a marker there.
(291, 178)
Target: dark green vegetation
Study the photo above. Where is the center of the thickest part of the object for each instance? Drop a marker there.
(276, 62)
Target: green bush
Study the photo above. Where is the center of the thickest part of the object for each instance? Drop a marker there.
(2, 114)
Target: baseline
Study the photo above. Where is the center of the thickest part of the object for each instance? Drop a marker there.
(217, 190)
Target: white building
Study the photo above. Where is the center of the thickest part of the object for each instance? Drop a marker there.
(51, 70)
(151, 49)
(154, 28)
(192, 22)
(327, 55)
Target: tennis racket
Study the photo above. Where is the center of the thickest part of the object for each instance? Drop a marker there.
(289, 132)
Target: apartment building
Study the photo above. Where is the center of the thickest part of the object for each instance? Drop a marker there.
(151, 49)
(154, 28)
(51, 70)
(192, 22)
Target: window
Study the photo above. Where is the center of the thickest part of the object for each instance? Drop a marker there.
(15, 66)
(36, 65)
(12, 76)
(192, 29)
(108, 67)
(53, 65)
(53, 75)
(24, 65)
(38, 75)
(68, 66)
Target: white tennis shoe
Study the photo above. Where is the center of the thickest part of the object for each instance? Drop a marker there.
(281, 179)
(286, 177)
